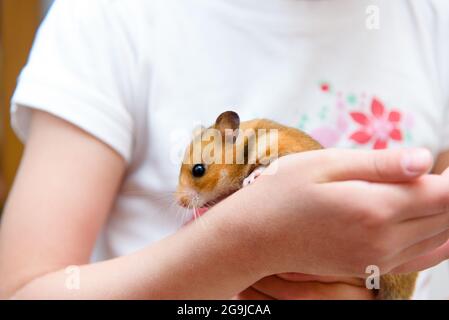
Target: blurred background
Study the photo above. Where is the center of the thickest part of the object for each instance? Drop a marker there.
(19, 20)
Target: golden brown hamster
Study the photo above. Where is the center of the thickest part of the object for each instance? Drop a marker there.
(221, 157)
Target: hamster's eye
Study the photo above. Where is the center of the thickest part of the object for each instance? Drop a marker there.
(198, 170)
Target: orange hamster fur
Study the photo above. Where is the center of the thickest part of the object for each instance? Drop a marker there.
(207, 178)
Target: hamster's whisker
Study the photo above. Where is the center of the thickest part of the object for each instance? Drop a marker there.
(174, 205)
(168, 198)
(157, 196)
(140, 191)
(182, 213)
(198, 217)
(194, 213)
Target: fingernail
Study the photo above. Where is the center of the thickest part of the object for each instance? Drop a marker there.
(416, 161)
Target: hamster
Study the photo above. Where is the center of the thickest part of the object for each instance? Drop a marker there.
(207, 177)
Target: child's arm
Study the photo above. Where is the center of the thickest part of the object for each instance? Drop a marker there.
(68, 180)
(65, 187)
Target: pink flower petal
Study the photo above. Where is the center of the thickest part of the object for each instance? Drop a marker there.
(360, 137)
(377, 108)
(342, 122)
(396, 134)
(360, 118)
(394, 116)
(380, 144)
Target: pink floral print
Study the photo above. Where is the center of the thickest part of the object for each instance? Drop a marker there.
(361, 119)
(378, 127)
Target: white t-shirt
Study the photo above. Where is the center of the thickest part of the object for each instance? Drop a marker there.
(140, 75)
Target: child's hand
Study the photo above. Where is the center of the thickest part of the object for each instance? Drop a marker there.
(339, 211)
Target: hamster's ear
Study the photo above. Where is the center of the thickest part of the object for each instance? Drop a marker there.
(228, 122)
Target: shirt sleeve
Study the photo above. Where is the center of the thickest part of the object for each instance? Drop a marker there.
(77, 70)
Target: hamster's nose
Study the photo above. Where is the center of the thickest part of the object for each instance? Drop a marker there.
(184, 201)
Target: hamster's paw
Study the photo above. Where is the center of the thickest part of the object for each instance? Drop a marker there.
(252, 177)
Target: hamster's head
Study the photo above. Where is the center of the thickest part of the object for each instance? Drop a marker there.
(209, 172)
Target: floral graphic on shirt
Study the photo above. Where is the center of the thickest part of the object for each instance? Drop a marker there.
(358, 118)
(378, 127)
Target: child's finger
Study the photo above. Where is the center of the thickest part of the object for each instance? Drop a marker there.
(391, 165)
(425, 261)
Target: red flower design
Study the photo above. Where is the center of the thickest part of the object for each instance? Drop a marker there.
(325, 87)
(379, 127)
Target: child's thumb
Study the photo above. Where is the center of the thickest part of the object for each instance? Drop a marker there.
(392, 165)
